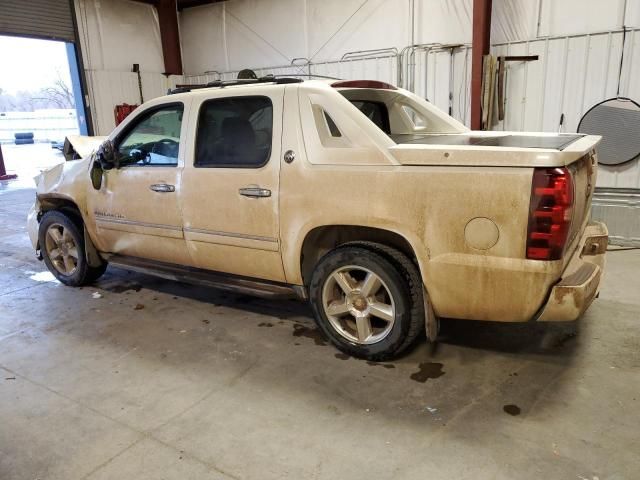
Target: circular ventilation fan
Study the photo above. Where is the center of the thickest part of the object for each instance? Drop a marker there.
(618, 121)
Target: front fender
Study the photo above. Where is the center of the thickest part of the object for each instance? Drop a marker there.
(33, 224)
(64, 182)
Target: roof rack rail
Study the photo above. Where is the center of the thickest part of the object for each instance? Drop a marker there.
(230, 83)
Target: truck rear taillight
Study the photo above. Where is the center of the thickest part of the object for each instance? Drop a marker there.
(549, 213)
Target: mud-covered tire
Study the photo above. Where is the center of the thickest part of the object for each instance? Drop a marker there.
(397, 335)
(82, 273)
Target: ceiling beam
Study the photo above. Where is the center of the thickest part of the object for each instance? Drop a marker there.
(480, 47)
(169, 34)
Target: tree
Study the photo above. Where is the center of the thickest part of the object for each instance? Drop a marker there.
(59, 93)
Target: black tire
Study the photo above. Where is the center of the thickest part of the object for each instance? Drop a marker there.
(83, 274)
(402, 332)
(23, 136)
(95, 273)
(411, 273)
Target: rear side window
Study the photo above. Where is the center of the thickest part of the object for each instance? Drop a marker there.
(376, 112)
(333, 128)
(234, 132)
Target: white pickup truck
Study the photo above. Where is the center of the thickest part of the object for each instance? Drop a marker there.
(381, 210)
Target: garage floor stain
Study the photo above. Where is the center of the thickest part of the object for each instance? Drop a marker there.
(427, 371)
(212, 397)
(512, 410)
(312, 333)
(383, 365)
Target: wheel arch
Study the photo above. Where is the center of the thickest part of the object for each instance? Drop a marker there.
(70, 208)
(322, 239)
(61, 203)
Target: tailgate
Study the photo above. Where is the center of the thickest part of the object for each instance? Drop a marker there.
(486, 149)
(584, 172)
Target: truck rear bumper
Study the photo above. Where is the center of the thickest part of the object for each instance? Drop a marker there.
(580, 282)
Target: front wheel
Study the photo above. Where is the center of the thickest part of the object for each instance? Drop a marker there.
(362, 301)
(62, 246)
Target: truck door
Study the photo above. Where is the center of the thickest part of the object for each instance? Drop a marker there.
(230, 182)
(136, 211)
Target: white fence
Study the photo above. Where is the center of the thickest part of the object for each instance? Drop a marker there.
(46, 125)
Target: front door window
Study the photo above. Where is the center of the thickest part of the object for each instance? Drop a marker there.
(154, 140)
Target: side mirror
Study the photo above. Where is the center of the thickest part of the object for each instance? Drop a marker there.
(96, 174)
(106, 156)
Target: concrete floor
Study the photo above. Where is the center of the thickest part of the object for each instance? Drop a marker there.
(162, 380)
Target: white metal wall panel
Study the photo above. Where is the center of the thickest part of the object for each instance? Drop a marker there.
(441, 21)
(513, 20)
(575, 70)
(204, 26)
(572, 74)
(571, 17)
(115, 34)
(619, 208)
(442, 77)
(334, 27)
(108, 89)
(381, 68)
(37, 18)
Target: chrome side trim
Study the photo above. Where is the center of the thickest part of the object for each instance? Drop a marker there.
(231, 234)
(100, 218)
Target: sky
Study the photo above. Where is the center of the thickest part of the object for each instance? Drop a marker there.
(30, 64)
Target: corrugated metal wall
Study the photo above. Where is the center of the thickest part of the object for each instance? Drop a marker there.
(37, 18)
(110, 88)
(573, 73)
(114, 35)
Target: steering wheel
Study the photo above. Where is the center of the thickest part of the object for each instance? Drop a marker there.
(166, 147)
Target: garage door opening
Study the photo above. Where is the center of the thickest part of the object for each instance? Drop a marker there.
(41, 94)
(41, 102)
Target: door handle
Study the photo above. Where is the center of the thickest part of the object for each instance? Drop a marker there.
(162, 188)
(256, 192)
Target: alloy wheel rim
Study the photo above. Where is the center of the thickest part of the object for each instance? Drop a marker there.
(358, 304)
(61, 249)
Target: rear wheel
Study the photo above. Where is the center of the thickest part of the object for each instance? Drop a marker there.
(62, 246)
(363, 302)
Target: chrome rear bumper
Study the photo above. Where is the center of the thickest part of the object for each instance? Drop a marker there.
(580, 283)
